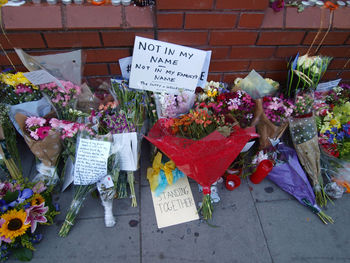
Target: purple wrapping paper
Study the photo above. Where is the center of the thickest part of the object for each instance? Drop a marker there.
(291, 177)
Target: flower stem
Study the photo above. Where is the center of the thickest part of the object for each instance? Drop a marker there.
(206, 207)
(131, 180)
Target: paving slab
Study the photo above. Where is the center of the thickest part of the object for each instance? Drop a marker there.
(237, 237)
(90, 241)
(267, 191)
(295, 234)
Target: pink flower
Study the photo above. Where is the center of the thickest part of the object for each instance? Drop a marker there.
(43, 132)
(55, 123)
(35, 121)
(277, 5)
(4, 187)
(39, 187)
(35, 214)
(34, 135)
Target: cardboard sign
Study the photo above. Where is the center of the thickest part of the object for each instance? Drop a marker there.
(125, 68)
(163, 67)
(175, 205)
(326, 86)
(91, 161)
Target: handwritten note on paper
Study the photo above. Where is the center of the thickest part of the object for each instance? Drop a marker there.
(41, 76)
(163, 67)
(91, 161)
(175, 205)
(125, 66)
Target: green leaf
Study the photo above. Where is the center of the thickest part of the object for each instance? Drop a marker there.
(11, 196)
(23, 254)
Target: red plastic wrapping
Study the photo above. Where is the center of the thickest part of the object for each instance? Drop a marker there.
(205, 160)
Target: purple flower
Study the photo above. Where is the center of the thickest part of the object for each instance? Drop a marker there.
(277, 5)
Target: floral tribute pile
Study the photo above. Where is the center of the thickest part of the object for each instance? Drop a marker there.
(206, 135)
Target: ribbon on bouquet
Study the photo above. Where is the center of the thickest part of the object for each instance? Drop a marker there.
(160, 175)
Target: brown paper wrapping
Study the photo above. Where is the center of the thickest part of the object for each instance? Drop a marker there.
(265, 128)
(309, 156)
(46, 150)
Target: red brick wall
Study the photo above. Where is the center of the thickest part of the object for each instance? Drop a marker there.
(243, 34)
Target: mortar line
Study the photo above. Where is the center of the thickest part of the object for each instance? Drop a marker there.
(261, 226)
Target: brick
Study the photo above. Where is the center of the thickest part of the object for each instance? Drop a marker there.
(330, 75)
(72, 39)
(332, 38)
(228, 65)
(106, 55)
(230, 78)
(137, 17)
(88, 16)
(13, 57)
(242, 4)
(220, 38)
(95, 70)
(190, 38)
(283, 52)
(115, 69)
(341, 18)
(219, 52)
(279, 76)
(273, 19)
(339, 51)
(280, 38)
(268, 65)
(22, 40)
(210, 20)
(170, 20)
(309, 18)
(250, 20)
(339, 63)
(251, 52)
(348, 42)
(26, 17)
(214, 77)
(185, 4)
(122, 38)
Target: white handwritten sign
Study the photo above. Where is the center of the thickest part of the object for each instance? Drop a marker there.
(91, 161)
(163, 67)
(175, 205)
(41, 76)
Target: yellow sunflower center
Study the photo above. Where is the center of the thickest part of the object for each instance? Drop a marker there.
(15, 224)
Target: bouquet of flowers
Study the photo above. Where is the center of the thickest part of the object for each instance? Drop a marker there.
(63, 97)
(233, 106)
(44, 142)
(289, 175)
(305, 72)
(115, 122)
(186, 141)
(23, 207)
(277, 109)
(16, 89)
(132, 103)
(332, 118)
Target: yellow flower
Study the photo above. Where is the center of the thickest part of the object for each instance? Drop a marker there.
(212, 93)
(2, 2)
(15, 79)
(14, 224)
(37, 199)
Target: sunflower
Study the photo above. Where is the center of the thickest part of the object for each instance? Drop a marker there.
(37, 199)
(14, 224)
